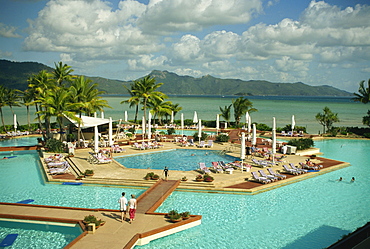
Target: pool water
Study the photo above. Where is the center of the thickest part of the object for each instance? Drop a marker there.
(313, 213)
(19, 141)
(179, 159)
(49, 235)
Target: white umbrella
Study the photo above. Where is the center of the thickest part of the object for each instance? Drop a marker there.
(242, 149)
(273, 139)
(195, 118)
(102, 115)
(225, 125)
(199, 129)
(172, 117)
(246, 118)
(110, 132)
(149, 125)
(94, 114)
(217, 123)
(126, 116)
(182, 124)
(15, 122)
(143, 126)
(293, 123)
(249, 123)
(254, 135)
(96, 139)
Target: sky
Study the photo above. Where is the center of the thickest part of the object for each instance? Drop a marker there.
(314, 42)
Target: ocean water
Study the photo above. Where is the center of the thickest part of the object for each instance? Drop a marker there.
(281, 107)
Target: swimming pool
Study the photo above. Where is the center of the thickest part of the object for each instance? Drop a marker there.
(182, 159)
(19, 141)
(313, 213)
(49, 234)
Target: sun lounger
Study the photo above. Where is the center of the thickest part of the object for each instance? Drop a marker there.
(295, 168)
(217, 168)
(56, 164)
(259, 178)
(290, 171)
(272, 172)
(62, 170)
(210, 144)
(225, 167)
(261, 163)
(191, 142)
(138, 147)
(203, 168)
(201, 144)
(117, 149)
(271, 177)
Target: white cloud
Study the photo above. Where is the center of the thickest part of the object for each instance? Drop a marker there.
(146, 62)
(164, 17)
(8, 31)
(5, 54)
(286, 64)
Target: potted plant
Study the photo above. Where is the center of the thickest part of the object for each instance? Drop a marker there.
(208, 178)
(93, 219)
(89, 172)
(184, 179)
(175, 217)
(172, 212)
(155, 177)
(79, 177)
(313, 156)
(185, 215)
(199, 178)
(149, 176)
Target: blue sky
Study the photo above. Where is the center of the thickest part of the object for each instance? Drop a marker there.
(315, 42)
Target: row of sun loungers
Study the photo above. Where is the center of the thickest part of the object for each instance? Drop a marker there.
(217, 167)
(145, 146)
(98, 158)
(267, 178)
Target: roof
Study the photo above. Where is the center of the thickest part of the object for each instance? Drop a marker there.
(88, 122)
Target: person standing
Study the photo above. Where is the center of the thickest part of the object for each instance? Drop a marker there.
(132, 208)
(165, 171)
(123, 206)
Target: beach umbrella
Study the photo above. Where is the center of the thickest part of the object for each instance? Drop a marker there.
(273, 139)
(242, 149)
(246, 119)
(182, 124)
(96, 139)
(149, 125)
(195, 118)
(172, 117)
(225, 125)
(249, 124)
(217, 123)
(199, 129)
(102, 115)
(293, 123)
(95, 115)
(126, 116)
(15, 122)
(143, 126)
(254, 135)
(110, 132)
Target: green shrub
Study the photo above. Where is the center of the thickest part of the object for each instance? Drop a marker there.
(263, 127)
(302, 143)
(203, 137)
(222, 138)
(171, 131)
(54, 145)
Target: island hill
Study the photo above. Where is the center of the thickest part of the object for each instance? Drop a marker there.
(15, 75)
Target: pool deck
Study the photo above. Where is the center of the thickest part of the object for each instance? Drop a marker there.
(149, 225)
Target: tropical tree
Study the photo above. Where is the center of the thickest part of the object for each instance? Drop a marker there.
(62, 72)
(327, 118)
(134, 100)
(147, 89)
(160, 108)
(12, 97)
(241, 106)
(226, 113)
(363, 94)
(2, 104)
(366, 119)
(175, 108)
(27, 102)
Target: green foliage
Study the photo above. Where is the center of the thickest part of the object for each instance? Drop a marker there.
(367, 135)
(263, 127)
(54, 145)
(89, 172)
(327, 118)
(366, 119)
(92, 219)
(222, 138)
(203, 137)
(302, 143)
(171, 131)
(288, 127)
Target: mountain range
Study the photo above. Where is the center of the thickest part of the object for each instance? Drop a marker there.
(15, 75)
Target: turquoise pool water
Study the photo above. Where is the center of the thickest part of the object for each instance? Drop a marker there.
(19, 141)
(180, 159)
(49, 235)
(310, 214)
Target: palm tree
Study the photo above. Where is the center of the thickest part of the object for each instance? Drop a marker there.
(159, 108)
(62, 72)
(27, 102)
(364, 93)
(57, 104)
(12, 98)
(327, 118)
(226, 113)
(85, 96)
(2, 104)
(146, 89)
(134, 100)
(175, 108)
(241, 106)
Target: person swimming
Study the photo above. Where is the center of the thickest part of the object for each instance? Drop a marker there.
(353, 179)
(340, 179)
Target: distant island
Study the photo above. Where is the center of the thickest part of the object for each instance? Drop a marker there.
(15, 75)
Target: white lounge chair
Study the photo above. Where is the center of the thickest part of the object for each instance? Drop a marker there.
(291, 171)
(210, 144)
(138, 147)
(272, 172)
(259, 178)
(295, 168)
(62, 170)
(217, 168)
(201, 144)
(203, 168)
(271, 177)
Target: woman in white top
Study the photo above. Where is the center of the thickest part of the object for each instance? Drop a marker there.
(132, 208)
